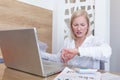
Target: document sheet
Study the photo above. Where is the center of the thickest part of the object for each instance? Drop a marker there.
(71, 74)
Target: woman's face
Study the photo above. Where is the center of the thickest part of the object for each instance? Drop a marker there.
(80, 26)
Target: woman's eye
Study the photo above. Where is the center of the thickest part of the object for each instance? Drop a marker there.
(76, 24)
(82, 24)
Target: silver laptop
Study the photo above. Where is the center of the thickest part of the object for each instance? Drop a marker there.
(21, 51)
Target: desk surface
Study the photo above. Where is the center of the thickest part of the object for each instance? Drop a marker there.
(10, 74)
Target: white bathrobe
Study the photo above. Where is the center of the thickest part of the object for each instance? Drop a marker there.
(91, 52)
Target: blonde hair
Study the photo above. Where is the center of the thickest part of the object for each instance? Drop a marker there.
(75, 15)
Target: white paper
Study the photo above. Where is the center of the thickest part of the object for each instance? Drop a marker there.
(70, 74)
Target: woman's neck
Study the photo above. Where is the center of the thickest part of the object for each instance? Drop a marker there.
(79, 41)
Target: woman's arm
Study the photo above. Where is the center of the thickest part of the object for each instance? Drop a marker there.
(92, 47)
(48, 56)
(102, 52)
(51, 57)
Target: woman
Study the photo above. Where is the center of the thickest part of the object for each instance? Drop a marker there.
(81, 49)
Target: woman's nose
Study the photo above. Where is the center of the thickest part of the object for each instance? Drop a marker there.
(79, 27)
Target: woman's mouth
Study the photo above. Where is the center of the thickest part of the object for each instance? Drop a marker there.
(79, 33)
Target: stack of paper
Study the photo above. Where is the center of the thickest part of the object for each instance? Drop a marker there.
(71, 74)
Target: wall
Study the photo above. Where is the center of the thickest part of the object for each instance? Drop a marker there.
(14, 14)
(114, 35)
(47, 4)
(102, 22)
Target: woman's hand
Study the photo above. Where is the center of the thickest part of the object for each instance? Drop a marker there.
(68, 54)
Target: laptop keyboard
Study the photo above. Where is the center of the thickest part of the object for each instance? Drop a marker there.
(52, 67)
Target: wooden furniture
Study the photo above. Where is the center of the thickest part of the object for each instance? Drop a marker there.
(10, 74)
(15, 14)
